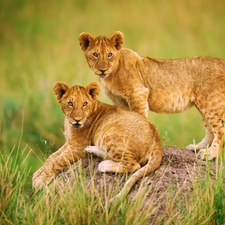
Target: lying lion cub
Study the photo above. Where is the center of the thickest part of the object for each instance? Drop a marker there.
(163, 86)
(125, 140)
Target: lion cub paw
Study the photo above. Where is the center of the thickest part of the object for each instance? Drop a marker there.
(91, 149)
(205, 143)
(40, 181)
(108, 166)
(38, 173)
(197, 147)
(191, 147)
(37, 183)
(207, 153)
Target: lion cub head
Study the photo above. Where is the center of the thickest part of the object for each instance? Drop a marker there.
(101, 53)
(77, 103)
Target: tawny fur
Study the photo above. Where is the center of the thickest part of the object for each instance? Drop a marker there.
(163, 86)
(125, 139)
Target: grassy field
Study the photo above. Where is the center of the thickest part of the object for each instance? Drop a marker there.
(39, 46)
(77, 204)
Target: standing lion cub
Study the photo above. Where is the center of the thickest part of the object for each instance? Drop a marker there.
(125, 140)
(163, 86)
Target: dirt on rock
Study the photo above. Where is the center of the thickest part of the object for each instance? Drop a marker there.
(178, 169)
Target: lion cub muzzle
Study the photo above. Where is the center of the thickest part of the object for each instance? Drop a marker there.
(76, 124)
(103, 72)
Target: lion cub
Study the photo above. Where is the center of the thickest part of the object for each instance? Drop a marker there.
(163, 86)
(125, 140)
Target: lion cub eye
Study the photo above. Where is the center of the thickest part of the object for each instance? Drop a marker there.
(70, 104)
(85, 104)
(95, 55)
(110, 55)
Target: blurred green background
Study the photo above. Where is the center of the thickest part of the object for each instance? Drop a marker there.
(39, 46)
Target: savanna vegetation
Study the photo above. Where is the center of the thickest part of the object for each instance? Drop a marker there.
(39, 46)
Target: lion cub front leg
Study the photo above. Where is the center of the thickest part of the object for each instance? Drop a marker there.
(138, 101)
(50, 158)
(56, 165)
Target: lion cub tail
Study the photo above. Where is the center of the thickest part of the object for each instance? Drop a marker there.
(148, 168)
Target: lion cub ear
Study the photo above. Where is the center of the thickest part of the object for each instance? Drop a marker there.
(93, 89)
(60, 89)
(85, 39)
(117, 39)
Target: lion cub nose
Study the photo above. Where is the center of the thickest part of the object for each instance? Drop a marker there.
(102, 70)
(77, 120)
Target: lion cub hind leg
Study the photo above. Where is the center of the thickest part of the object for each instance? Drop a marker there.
(214, 150)
(95, 150)
(154, 162)
(108, 165)
(118, 167)
(207, 140)
(215, 117)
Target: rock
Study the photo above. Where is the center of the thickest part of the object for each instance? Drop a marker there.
(178, 169)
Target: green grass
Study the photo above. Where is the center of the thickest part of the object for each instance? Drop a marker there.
(74, 205)
(206, 204)
(39, 46)
(84, 204)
